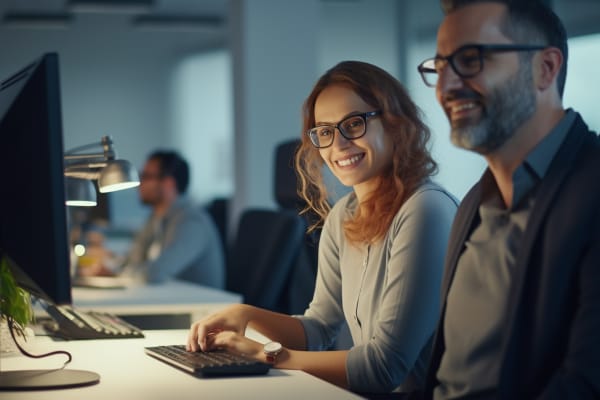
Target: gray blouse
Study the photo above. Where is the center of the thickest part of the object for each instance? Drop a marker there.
(387, 292)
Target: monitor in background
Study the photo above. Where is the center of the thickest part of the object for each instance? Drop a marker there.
(33, 218)
(32, 206)
(33, 226)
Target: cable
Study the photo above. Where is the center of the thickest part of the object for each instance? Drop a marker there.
(11, 328)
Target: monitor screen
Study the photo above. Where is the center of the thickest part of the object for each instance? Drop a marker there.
(33, 220)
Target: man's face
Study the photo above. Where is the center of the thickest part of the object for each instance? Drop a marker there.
(151, 183)
(485, 110)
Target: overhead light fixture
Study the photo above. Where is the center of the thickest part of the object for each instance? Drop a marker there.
(28, 20)
(111, 6)
(111, 173)
(179, 23)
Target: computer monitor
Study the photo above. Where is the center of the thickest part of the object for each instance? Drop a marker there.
(32, 205)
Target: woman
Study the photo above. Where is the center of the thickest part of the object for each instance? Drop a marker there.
(381, 249)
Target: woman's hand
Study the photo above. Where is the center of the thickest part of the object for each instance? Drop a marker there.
(233, 319)
(235, 343)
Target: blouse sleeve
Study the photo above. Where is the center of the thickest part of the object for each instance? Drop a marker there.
(409, 306)
(324, 316)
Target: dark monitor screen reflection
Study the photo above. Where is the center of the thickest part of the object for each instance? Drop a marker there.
(32, 206)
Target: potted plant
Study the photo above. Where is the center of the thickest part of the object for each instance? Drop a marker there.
(15, 304)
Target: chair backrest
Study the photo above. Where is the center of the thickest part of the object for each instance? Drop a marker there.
(261, 259)
(217, 209)
(285, 188)
(301, 281)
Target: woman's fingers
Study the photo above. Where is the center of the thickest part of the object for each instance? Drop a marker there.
(230, 319)
(200, 332)
(234, 342)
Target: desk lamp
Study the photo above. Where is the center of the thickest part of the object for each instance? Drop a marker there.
(111, 173)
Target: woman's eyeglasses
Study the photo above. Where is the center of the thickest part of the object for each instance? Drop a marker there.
(352, 127)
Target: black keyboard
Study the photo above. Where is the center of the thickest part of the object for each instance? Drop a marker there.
(71, 324)
(212, 363)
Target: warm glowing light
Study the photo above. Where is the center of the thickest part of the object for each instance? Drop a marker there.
(79, 250)
(80, 203)
(118, 186)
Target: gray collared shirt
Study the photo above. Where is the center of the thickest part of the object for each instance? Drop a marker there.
(184, 244)
(476, 305)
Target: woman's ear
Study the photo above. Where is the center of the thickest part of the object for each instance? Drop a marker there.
(547, 65)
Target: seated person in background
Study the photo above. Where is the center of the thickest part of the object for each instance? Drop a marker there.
(381, 250)
(179, 240)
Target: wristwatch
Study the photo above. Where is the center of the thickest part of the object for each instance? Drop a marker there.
(271, 350)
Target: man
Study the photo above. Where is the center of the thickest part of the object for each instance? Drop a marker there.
(179, 240)
(520, 313)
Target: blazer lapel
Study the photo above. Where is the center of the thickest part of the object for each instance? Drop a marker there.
(545, 197)
(463, 226)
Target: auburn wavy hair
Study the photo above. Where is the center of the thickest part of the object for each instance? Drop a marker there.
(412, 162)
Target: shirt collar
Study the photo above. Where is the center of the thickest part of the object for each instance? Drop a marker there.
(179, 203)
(533, 168)
(541, 156)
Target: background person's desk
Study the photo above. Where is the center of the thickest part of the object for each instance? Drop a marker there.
(173, 304)
(126, 372)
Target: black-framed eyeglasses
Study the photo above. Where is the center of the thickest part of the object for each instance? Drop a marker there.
(147, 176)
(352, 127)
(467, 60)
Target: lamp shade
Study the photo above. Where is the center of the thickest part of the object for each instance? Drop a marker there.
(117, 175)
(79, 192)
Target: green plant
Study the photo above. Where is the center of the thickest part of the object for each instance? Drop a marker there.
(15, 303)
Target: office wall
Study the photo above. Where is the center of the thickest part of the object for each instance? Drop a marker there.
(583, 85)
(115, 80)
(127, 83)
(200, 118)
(273, 45)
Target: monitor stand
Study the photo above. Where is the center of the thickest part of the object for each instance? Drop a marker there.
(43, 379)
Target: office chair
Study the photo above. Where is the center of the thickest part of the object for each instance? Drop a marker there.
(300, 286)
(217, 209)
(261, 259)
(268, 262)
(301, 281)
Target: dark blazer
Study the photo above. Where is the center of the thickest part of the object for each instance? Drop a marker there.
(552, 332)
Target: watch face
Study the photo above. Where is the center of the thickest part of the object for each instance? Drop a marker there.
(272, 347)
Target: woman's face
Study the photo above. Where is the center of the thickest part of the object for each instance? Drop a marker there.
(357, 162)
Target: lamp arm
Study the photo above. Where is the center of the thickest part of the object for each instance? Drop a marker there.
(81, 148)
(107, 147)
(83, 174)
(92, 156)
(87, 169)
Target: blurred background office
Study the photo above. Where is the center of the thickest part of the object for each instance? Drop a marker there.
(223, 81)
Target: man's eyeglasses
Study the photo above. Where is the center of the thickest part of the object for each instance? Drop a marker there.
(466, 61)
(148, 176)
(352, 127)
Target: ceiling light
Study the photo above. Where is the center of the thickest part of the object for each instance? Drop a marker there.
(37, 20)
(111, 6)
(179, 23)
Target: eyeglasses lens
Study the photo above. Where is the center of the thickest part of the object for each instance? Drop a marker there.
(467, 62)
(351, 128)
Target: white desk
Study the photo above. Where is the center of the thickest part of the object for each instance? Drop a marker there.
(126, 372)
(172, 297)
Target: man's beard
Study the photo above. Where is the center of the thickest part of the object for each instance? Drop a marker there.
(506, 108)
